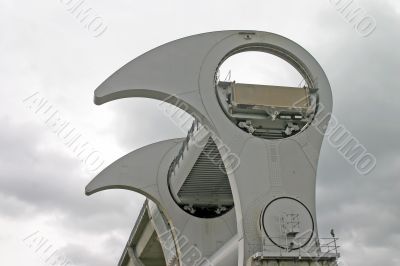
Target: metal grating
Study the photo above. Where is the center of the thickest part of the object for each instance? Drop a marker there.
(207, 182)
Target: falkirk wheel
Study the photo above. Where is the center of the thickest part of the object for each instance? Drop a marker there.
(240, 188)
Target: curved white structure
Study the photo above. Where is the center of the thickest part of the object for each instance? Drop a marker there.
(273, 186)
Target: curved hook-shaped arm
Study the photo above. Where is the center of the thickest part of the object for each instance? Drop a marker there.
(136, 171)
(168, 70)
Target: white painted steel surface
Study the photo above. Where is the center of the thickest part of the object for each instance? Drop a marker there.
(182, 73)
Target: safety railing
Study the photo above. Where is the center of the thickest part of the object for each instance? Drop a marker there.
(185, 145)
(316, 248)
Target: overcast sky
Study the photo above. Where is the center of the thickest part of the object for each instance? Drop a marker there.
(45, 49)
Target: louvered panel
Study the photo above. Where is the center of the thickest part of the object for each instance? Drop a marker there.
(207, 183)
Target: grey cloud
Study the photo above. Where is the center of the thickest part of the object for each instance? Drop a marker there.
(46, 49)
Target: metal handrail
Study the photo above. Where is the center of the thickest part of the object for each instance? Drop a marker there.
(185, 146)
(319, 248)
